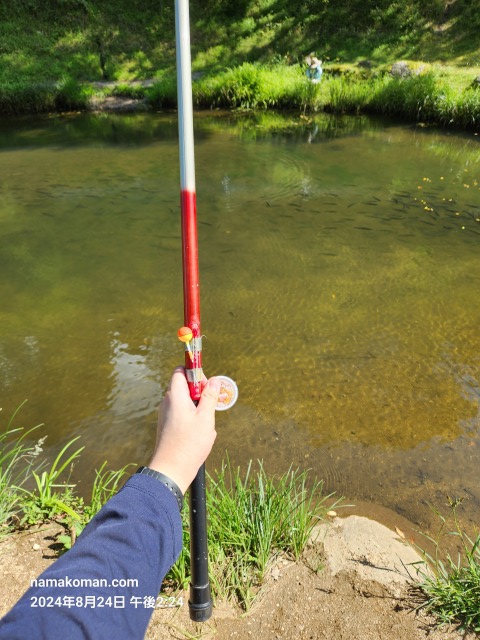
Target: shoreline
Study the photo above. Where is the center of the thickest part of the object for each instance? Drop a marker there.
(355, 580)
(418, 93)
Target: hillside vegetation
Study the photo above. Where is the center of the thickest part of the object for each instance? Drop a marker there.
(52, 40)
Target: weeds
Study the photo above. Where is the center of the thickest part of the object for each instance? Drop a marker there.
(50, 497)
(105, 486)
(17, 459)
(424, 96)
(44, 502)
(452, 589)
(252, 519)
(19, 97)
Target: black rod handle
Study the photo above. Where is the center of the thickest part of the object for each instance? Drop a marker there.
(200, 601)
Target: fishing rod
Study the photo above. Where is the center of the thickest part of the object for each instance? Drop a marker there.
(200, 600)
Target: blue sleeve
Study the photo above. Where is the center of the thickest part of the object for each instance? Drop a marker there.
(105, 587)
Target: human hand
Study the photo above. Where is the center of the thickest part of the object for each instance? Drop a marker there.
(185, 432)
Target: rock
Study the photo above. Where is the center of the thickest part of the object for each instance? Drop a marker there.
(369, 550)
(400, 70)
(275, 573)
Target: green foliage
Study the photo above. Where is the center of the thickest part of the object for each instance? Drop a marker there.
(423, 96)
(106, 485)
(20, 97)
(412, 97)
(253, 519)
(452, 587)
(120, 40)
(45, 502)
(50, 497)
(257, 86)
(249, 52)
(17, 459)
(347, 96)
(71, 95)
(163, 94)
(73, 531)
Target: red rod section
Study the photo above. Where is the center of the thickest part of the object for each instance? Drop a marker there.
(191, 287)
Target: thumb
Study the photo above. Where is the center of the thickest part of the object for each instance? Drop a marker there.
(210, 394)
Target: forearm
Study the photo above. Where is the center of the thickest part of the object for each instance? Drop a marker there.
(135, 537)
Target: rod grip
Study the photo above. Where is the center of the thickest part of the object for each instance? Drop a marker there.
(200, 602)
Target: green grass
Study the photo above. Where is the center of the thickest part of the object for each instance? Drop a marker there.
(18, 459)
(426, 96)
(50, 497)
(87, 40)
(452, 586)
(20, 96)
(253, 518)
(33, 491)
(250, 54)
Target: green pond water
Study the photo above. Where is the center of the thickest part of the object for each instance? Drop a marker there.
(340, 288)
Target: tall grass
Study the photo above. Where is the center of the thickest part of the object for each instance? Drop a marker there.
(422, 97)
(413, 97)
(428, 96)
(452, 588)
(33, 491)
(51, 497)
(419, 98)
(18, 459)
(20, 97)
(256, 86)
(347, 96)
(252, 519)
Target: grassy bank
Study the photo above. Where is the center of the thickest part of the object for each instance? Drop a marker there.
(125, 40)
(431, 96)
(427, 96)
(253, 518)
(245, 55)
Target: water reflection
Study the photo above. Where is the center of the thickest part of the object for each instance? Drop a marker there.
(340, 283)
(135, 389)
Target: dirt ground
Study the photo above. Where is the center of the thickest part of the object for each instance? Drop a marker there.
(354, 582)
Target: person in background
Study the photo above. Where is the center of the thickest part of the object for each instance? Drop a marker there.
(133, 540)
(314, 68)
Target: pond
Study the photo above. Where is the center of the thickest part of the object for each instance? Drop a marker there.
(340, 282)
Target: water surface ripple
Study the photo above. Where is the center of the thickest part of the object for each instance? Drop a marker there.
(340, 288)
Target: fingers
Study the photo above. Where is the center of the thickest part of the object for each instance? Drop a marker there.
(178, 382)
(210, 394)
(178, 388)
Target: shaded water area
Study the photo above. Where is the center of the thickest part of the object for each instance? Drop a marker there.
(340, 281)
